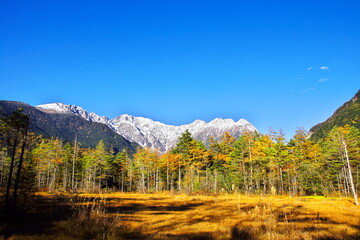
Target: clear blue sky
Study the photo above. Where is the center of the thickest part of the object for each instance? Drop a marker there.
(279, 64)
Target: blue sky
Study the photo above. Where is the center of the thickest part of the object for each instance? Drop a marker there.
(279, 64)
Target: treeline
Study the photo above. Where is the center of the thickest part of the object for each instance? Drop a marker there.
(252, 164)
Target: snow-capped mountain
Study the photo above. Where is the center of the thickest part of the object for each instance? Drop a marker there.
(63, 108)
(149, 133)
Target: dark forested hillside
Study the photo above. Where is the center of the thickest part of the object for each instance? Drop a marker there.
(348, 113)
(66, 126)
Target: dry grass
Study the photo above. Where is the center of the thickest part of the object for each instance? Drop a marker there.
(164, 216)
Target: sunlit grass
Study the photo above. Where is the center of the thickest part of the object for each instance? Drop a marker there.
(166, 216)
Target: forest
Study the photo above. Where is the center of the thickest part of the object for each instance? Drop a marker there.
(262, 164)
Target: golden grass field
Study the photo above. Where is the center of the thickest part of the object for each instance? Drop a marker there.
(166, 216)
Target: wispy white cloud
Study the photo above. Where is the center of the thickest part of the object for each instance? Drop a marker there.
(309, 68)
(323, 79)
(324, 68)
(307, 90)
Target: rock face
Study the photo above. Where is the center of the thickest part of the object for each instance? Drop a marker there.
(153, 134)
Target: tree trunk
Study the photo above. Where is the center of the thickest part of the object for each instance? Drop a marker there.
(12, 163)
(157, 180)
(167, 177)
(21, 160)
(281, 181)
(351, 181)
(65, 176)
(122, 182)
(130, 180)
(73, 165)
(143, 181)
(206, 180)
(346, 182)
(215, 181)
(179, 187)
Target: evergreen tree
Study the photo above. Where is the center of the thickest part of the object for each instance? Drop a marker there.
(14, 131)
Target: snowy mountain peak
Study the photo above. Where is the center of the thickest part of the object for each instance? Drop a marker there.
(124, 117)
(63, 108)
(220, 121)
(196, 123)
(243, 122)
(54, 107)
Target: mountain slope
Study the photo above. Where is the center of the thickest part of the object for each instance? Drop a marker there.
(153, 134)
(66, 125)
(348, 113)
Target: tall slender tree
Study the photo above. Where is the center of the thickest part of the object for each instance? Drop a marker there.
(14, 128)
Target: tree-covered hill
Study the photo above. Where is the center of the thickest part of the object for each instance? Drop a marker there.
(348, 113)
(66, 126)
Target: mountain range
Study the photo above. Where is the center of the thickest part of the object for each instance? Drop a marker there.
(153, 134)
(68, 122)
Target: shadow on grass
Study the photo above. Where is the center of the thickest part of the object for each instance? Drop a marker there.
(282, 221)
(156, 210)
(37, 219)
(58, 217)
(43, 216)
(195, 236)
(241, 234)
